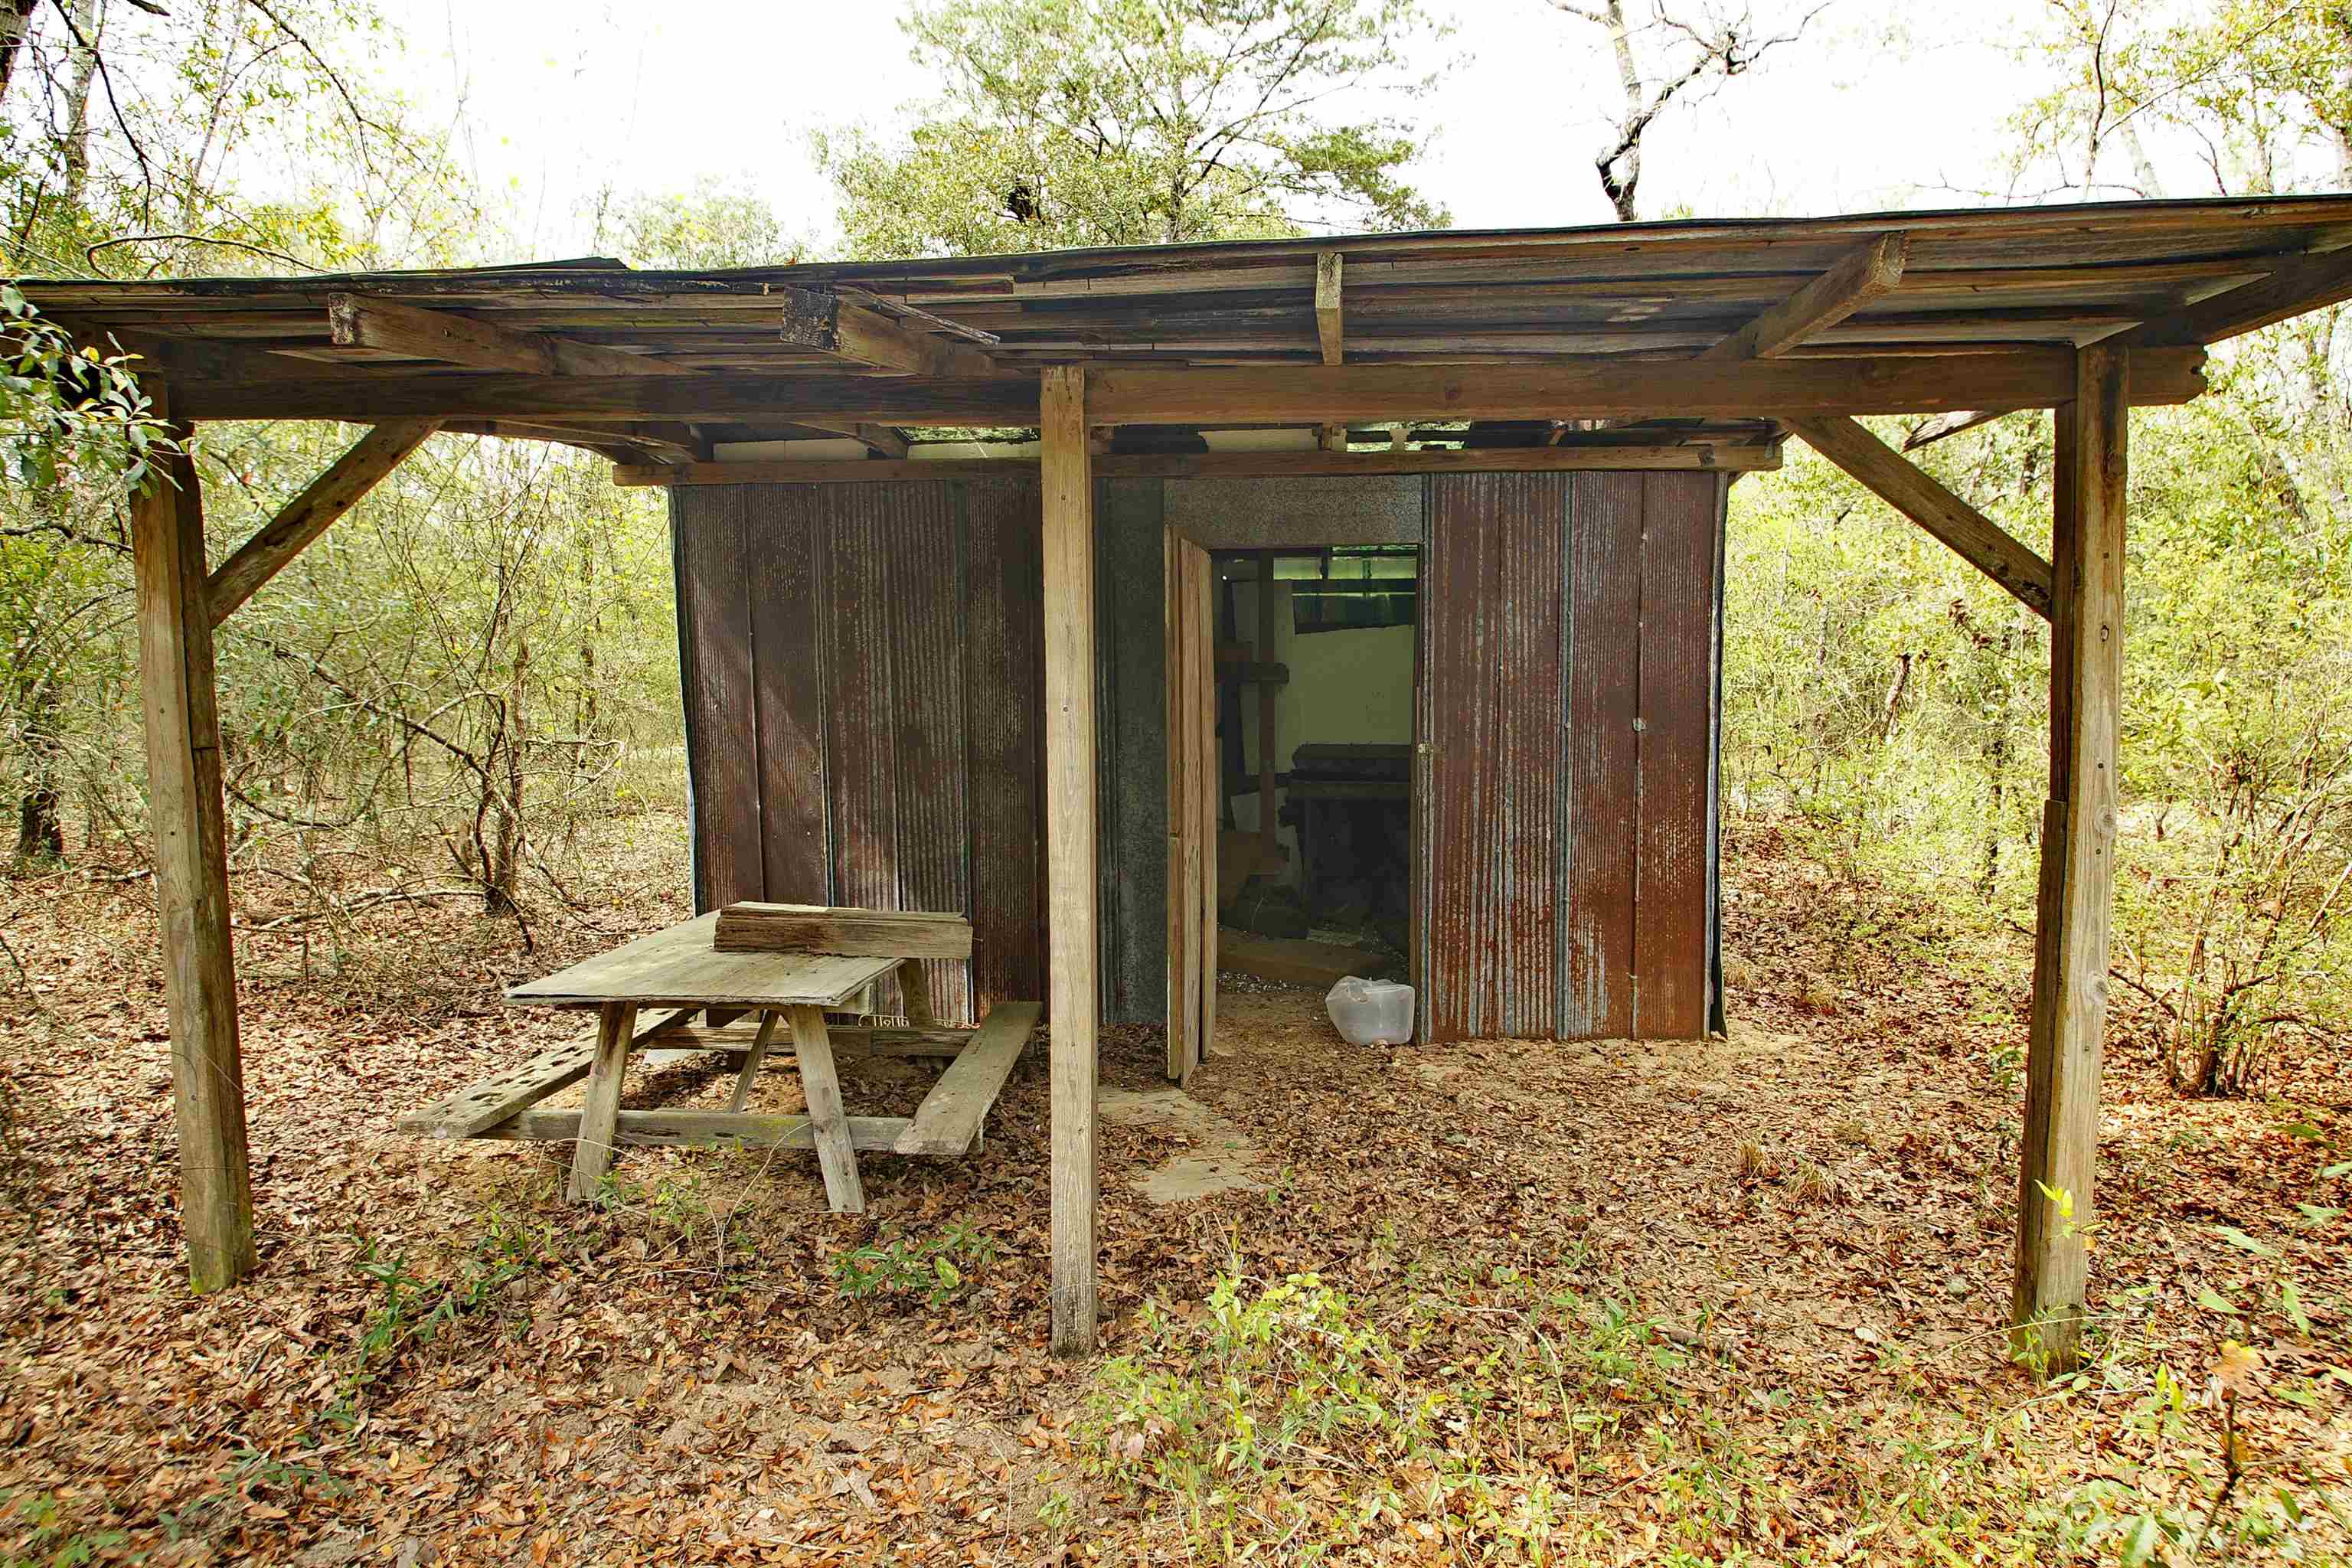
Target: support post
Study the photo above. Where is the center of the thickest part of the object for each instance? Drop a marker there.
(185, 809)
(1066, 467)
(2077, 879)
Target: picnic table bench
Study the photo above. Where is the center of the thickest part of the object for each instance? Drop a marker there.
(682, 970)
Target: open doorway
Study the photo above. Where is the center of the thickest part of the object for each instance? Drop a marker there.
(1292, 677)
(1316, 657)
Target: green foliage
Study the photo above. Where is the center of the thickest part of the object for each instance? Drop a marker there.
(935, 1271)
(708, 227)
(412, 1310)
(43, 1538)
(1069, 123)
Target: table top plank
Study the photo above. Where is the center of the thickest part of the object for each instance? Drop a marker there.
(678, 966)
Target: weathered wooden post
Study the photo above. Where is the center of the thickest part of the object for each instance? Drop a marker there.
(185, 805)
(2078, 838)
(1069, 611)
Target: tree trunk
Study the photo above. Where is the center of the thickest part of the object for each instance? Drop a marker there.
(40, 830)
(15, 29)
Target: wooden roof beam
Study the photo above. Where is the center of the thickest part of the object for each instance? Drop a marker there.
(1272, 394)
(2309, 282)
(825, 321)
(1894, 480)
(664, 443)
(1742, 457)
(879, 439)
(355, 320)
(309, 514)
(1863, 276)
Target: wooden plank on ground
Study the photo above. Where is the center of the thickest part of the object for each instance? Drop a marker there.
(949, 1116)
(1293, 962)
(752, 927)
(698, 1129)
(494, 1098)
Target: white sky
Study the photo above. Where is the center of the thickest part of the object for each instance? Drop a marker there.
(562, 96)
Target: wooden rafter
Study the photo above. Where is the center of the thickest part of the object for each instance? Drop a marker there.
(2308, 282)
(1903, 485)
(664, 443)
(354, 320)
(309, 514)
(1729, 458)
(1330, 324)
(1863, 276)
(825, 321)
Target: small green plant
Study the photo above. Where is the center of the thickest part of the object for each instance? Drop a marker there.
(936, 1270)
(412, 1310)
(43, 1539)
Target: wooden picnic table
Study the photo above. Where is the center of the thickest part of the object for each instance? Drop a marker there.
(679, 969)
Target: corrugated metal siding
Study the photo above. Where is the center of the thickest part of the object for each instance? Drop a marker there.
(864, 699)
(1568, 626)
(1677, 658)
(1603, 589)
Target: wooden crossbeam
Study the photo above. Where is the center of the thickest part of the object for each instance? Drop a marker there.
(824, 321)
(1903, 485)
(1138, 394)
(2309, 282)
(310, 514)
(354, 320)
(1732, 458)
(1269, 394)
(1863, 276)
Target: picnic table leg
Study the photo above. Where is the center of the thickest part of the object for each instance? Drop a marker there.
(752, 1063)
(600, 1114)
(826, 1119)
(915, 985)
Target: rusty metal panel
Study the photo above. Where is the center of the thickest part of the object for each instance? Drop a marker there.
(786, 524)
(1676, 663)
(1460, 924)
(722, 743)
(922, 538)
(1004, 699)
(1602, 633)
(1531, 525)
(1493, 698)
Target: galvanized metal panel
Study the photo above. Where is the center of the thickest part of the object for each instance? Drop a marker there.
(722, 741)
(1133, 762)
(1676, 663)
(1604, 609)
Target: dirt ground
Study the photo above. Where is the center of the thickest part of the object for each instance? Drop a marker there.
(439, 1362)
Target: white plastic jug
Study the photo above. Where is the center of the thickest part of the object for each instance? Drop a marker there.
(1370, 1012)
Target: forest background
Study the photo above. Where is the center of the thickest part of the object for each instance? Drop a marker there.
(478, 666)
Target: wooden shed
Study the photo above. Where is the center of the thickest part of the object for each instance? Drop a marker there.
(985, 682)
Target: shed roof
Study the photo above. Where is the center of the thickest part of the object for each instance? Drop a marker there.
(1978, 281)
